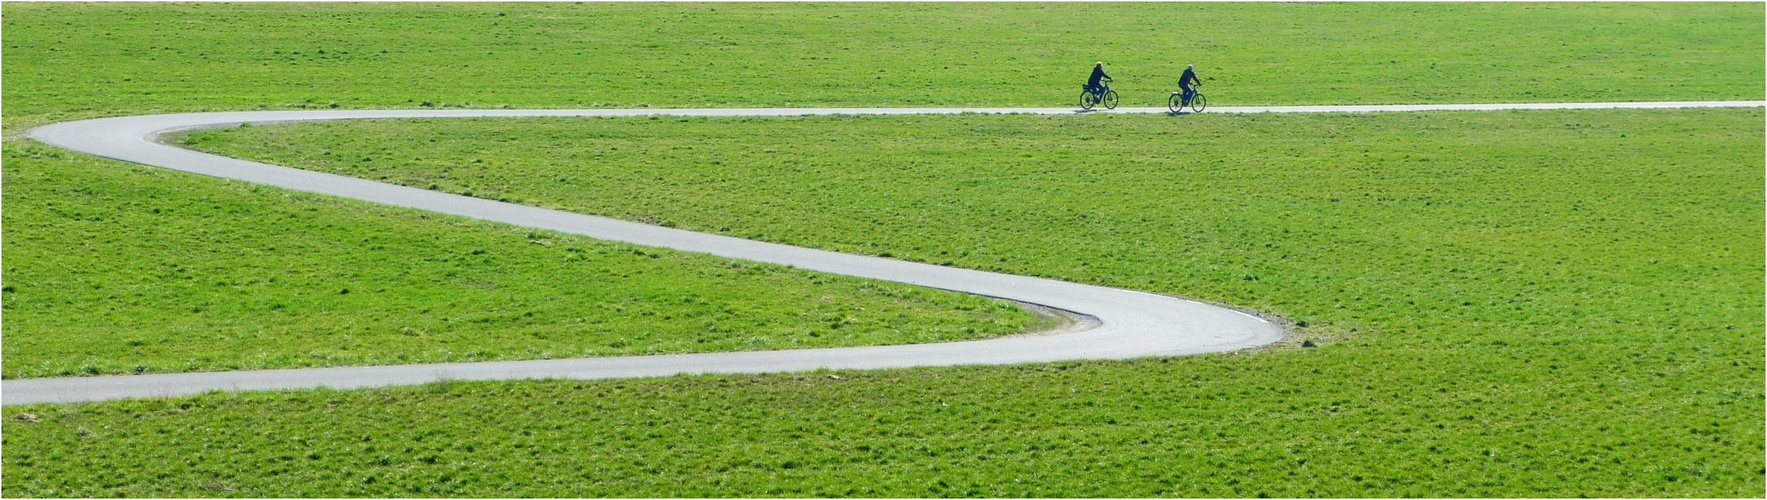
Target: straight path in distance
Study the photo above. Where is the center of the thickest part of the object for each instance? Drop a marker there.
(1127, 324)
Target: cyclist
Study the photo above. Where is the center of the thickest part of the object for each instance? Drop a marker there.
(1188, 82)
(1092, 83)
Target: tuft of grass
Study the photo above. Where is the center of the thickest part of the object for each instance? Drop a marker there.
(117, 269)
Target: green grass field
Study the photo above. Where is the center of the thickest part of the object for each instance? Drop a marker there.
(1508, 304)
(173, 273)
(1523, 419)
(141, 271)
(1505, 251)
(247, 56)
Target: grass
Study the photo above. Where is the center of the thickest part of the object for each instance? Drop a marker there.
(169, 272)
(1504, 308)
(1544, 308)
(1334, 421)
(1321, 218)
(229, 57)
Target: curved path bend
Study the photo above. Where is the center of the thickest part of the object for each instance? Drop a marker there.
(1129, 324)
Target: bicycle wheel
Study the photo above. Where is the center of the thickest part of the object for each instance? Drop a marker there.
(1110, 99)
(1199, 103)
(1176, 103)
(1086, 101)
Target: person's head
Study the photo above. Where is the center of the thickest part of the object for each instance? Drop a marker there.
(1190, 66)
(1100, 64)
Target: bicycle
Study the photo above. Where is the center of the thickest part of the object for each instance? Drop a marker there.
(1197, 102)
(1105, 95)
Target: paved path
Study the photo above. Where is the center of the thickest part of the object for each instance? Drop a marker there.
(1130, 324)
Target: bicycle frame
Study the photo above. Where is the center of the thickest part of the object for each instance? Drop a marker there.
(1103, 86)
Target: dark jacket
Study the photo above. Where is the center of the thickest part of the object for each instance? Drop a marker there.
(1097, 74)
(1188, 78)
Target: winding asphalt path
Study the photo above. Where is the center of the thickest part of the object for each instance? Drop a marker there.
(1129, 324)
